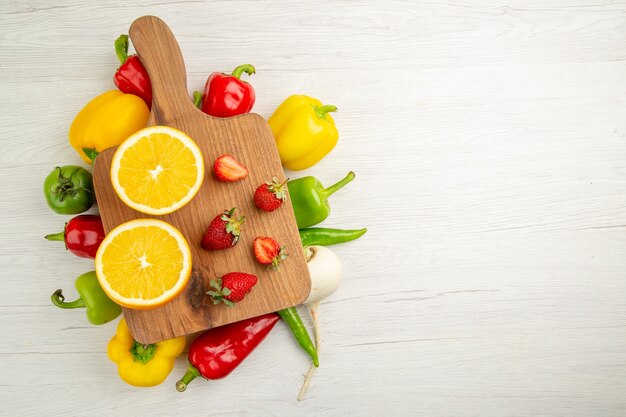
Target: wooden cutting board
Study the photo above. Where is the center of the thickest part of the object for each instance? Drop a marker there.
(247, 137)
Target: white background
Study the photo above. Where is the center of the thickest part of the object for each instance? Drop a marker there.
(489, 143)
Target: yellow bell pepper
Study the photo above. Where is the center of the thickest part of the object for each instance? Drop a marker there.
(304, 131)
(143, 365)
(106, 121)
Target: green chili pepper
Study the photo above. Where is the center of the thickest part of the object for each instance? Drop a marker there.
(322, 236)
(293, 320)
(100, 308)
(309, 199)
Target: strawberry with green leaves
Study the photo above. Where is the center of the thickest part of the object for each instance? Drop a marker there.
(232, 288)
(271, 195)
(268, 252)
(223, 232)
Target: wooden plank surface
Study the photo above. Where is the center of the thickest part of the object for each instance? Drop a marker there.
(250, 140)
(488, 139)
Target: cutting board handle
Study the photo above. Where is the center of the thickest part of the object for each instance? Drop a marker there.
(160, 54)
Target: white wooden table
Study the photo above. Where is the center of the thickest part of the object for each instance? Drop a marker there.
(489, 142)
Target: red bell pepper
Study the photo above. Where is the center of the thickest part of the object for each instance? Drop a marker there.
(82, 235)
(217, 352)
(131, 77)
(227, 95)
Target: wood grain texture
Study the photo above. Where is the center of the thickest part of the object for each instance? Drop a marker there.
(489, 142)
(250, 139)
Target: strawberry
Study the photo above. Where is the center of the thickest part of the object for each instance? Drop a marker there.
(232, 288)
(223, 232)
(270, 196)
(268, 252)
(227, 168)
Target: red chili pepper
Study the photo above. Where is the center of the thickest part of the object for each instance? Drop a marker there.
(226, 95)
(217, 352)
(131, 77)
(82, 235)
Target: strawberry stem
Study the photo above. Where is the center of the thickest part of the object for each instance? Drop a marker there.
(278, 188)
(220, 293)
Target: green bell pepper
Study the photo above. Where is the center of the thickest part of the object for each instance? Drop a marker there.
(100, 308)
(309, 199)
(69, 190)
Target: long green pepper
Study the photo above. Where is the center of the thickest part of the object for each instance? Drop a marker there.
(323, 236)
(293, 320)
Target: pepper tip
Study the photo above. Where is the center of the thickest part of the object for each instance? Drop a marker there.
(181, 386)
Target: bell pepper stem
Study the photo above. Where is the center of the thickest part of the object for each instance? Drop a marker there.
(59, 300)
(322, 110)
(121, 48)
(91, 153)
(143, 353)
(337, 186)
(197, 99)
(247, 68)
(56, 236)
(191, 374)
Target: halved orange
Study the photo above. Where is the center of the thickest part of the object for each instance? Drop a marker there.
(143, 263)
(157, 170)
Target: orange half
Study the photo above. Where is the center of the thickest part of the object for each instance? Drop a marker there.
(143, 263)
(157, 170)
